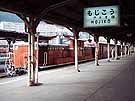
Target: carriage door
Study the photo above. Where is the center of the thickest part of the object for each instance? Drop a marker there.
(45, 58)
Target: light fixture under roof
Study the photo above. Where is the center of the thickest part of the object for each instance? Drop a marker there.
(125, 24)
(129, 34)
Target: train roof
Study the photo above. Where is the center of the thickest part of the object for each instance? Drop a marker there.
(19, 36)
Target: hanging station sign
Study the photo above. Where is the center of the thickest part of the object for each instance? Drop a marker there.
(101, 16)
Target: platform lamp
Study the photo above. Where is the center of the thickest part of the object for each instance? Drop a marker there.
(129, 35)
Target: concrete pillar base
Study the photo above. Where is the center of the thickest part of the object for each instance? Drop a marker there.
(108, 61)
(97, 64)
(30, 83)
(117, 58)
(78, 70)
(36, 84)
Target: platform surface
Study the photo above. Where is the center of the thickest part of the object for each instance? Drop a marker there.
(110, 81)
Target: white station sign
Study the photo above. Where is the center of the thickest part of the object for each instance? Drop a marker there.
(101, 16)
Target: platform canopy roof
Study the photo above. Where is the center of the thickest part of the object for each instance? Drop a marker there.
(69, 13)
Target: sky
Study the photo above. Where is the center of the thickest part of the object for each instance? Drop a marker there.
(9, 17)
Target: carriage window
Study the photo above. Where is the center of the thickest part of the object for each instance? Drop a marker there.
(3, 54)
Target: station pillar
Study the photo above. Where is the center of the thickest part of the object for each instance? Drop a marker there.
(129, 49)
(31, 66)
(121, 52)
(108, 49)
(112, 53)
(134, 49)
(96, 39)
(76, 34)
(37, 58)
(125, 50)
(116, 50)
(31, 25)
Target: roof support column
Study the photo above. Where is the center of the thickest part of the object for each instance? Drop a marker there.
(76, 34)
(129, 49)
(96, 38)
(112, 53)
(29, 61)
(37, 58)
(31, 70)
(121, 52)
(116, 51)
(133, 49)
(108, 49)
(125, 50)
(31, 24)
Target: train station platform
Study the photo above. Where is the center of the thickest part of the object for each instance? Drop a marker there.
(110, 81)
